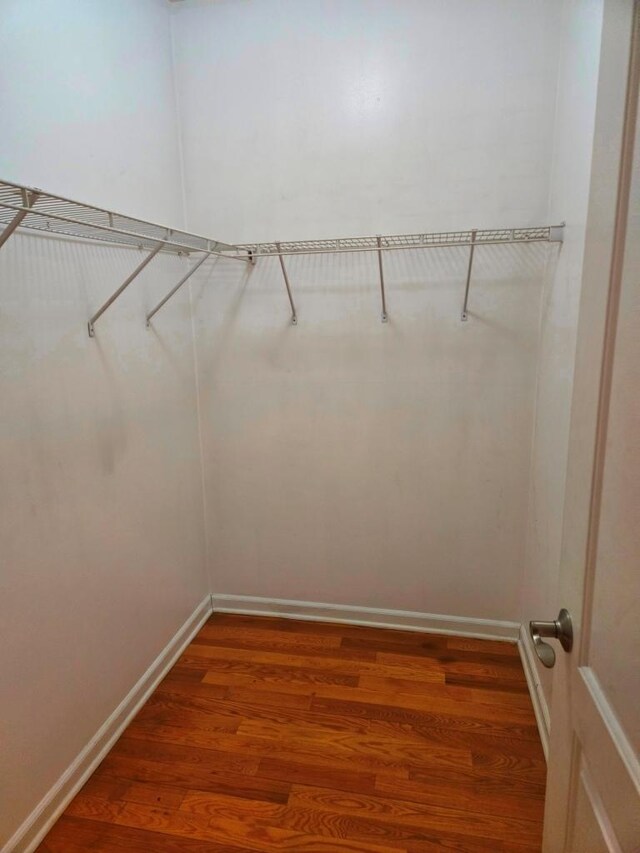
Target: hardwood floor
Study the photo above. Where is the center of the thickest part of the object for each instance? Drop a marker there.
(272, 734)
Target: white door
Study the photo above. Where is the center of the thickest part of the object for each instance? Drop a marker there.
(593, 792)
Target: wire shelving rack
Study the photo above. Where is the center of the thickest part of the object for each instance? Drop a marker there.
(28, 207)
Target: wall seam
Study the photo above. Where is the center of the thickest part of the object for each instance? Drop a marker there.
(556, 109)
(176, 101)
(196, 369)
(547, 285)
(583, 250)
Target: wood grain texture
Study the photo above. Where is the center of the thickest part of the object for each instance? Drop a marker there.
(273, 734)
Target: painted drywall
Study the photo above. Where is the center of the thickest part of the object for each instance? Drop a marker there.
(87, 103)
(573, 143)
(349, 461)
(345, 460)
(355, 462)
(329, 118)
(101, 518)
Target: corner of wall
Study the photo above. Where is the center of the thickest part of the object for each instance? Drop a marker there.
(185, 219)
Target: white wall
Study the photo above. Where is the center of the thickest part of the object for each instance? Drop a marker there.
(87, 103)
(334, 117)
(355, 462)
(348, 461)
(101, 519)
(573, 143)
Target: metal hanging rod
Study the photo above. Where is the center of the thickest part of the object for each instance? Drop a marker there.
(27, 207)
(379, 244)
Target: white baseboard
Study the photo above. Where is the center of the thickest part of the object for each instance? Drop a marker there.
(540, 706)
(460, 626)
(35, 827)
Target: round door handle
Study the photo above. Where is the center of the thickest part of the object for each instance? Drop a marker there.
(559, 629)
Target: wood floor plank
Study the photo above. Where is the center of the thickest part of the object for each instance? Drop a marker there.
(269, 699)
(253, 835)
(379, 749)
(187, 711)
(294, 645)
(157, 795)
(95, 808)
(458, 692)
(193, 694)
(441, 792)
(241, 634)
(77, 835)
(514, 766)
(370, 830)
(186, 776)
(433, 705)
(489, 670)
(428, 651)
(211, 805)
(424, 669)
(496, 647)
(483, 782)
(317, 774)
(430, 821)
(185, 753)
(271, 734)
(438, 789)
(244, 673)
(404, 707)
(499, 740)
(390, 755)
(486, 682)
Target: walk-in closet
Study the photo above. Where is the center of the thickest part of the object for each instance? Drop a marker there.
(320, 404)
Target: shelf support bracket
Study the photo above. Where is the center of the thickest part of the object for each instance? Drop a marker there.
(465, 315)
(294, 316)
(28, 200)
(177, 287)
(122, 288)
(384, 317)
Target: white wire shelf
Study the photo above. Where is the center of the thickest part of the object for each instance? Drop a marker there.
(54, 214)
(28, 207)
(33, 208)
(492, 236)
